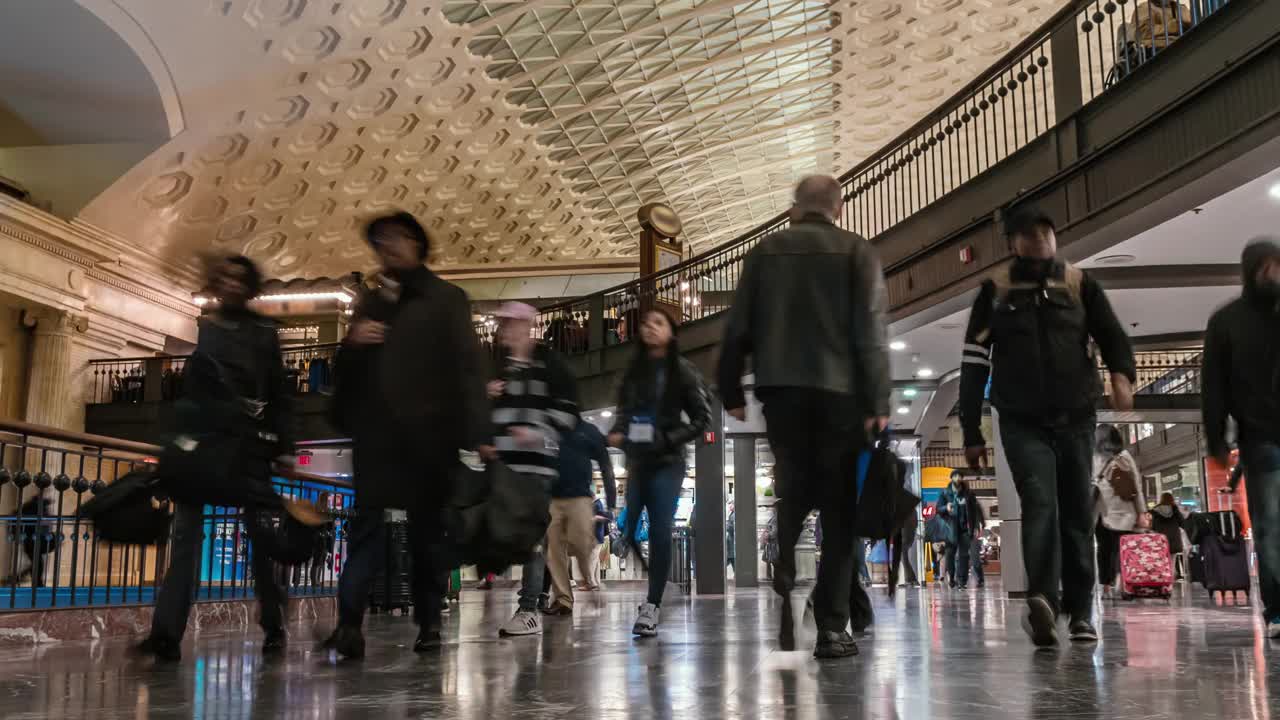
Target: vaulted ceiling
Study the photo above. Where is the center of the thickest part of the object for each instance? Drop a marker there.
(525, 134)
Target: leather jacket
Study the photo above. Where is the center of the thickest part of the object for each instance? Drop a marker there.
(810, 312)
(639, 396)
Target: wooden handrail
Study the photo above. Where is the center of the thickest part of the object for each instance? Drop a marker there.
(28, 430)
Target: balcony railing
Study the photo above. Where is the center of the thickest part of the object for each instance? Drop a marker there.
(135, 380)
(50, 557)
(1003, 110)
(1172, 372)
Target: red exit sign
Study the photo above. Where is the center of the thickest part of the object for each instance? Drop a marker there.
(966, 254)
(709, 437)
(304, 460)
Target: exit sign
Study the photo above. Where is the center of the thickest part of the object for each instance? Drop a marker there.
(709, 437)
(966, 254)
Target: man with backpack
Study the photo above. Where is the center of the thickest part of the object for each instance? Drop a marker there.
(1029, 333)
(1242, 381)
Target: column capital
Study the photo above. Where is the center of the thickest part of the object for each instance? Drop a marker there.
(54, 321)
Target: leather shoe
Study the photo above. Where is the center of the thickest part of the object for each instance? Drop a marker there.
(346, 641)
(163, 650)
(833, 645)
(429, 638)
(275, 642)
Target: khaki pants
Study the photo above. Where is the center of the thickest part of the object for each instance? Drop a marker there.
(571, 532)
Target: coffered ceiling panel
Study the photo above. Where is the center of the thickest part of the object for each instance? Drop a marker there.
(526, 133)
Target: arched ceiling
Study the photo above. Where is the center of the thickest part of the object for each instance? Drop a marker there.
(526, 134)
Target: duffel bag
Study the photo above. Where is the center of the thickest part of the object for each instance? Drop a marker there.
(223, 469)
(131, 510)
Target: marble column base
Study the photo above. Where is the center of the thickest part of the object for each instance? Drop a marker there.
(74, 624)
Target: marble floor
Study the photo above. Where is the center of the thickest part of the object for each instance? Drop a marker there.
(933, 654)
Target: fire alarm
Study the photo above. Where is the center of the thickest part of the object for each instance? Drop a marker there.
(966, 254)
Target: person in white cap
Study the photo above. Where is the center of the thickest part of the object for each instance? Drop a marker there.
(534, 403)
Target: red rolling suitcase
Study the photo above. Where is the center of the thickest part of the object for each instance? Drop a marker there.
(1146, 566)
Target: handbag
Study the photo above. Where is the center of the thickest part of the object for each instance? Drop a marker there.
(130, 510)
(884, 504)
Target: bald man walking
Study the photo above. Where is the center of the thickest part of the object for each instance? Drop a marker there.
(809, 311)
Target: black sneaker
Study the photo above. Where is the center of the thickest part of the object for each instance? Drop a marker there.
(1040, 622)
(833, 645)
(429, 638)
(275, 642)
(346, 641)
(161, 649)
(1082, 631)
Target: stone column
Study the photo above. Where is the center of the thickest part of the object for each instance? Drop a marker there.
(49, 391)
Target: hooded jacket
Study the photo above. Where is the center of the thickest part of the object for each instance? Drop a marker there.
(1241, 373)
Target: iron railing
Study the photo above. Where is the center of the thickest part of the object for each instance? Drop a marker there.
(1000, 112)
(149, 379)
(51, 557)
(1163, 372)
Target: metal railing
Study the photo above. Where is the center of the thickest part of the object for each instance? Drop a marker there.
(160, 378)
(51, 557)
(993, 117)
(1163, 372)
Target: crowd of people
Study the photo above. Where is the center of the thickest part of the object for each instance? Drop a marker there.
(411, 388)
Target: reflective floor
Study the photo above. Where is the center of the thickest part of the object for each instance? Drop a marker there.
(932, 654)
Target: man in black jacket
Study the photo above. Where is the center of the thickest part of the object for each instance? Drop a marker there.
(235, 383)
(1242, 381)
(572, 531)
(1029, 334)
(809, 310)
(410, 393)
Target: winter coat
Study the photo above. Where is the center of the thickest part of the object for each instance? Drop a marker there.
(1168, 521)
(1115, 512)
(682, 394)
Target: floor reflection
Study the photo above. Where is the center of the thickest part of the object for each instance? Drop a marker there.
(932, 654)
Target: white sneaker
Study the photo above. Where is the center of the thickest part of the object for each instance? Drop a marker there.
(1273, 629)
(647, 623)
(524, 622)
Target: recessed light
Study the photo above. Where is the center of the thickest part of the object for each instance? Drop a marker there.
(909, 392)
(1275, 191)
(925, 372)
(897, 345)
(606, 414)
(904, 410)
(1115, 260)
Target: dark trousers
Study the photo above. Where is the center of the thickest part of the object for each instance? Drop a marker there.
(815, 440)
(657, 489)
(173, 602)
(958, 560)
(367, 555)
(904, 557)
(1108, 554)
(1262, 483)
(1052, 468)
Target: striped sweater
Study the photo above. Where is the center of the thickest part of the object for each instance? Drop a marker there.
(539, 395)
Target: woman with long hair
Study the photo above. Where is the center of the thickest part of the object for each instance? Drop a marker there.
(1119, 501)
(662, 407)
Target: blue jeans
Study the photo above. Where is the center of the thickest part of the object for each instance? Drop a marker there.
(657, 489)
(1262, 483)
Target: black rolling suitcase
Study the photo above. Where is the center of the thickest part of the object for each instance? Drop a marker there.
(1225, 555)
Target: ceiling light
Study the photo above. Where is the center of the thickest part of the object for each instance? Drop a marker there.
(606, 414)
(909, 392)
(1275, 191)
(904, 410)
(1115, 260)
(339, 295)
(200, 300)
(925, 372)
(897, 345)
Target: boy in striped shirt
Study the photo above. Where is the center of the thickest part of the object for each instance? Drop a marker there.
(534, 402)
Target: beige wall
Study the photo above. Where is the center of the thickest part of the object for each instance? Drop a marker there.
(14, 356)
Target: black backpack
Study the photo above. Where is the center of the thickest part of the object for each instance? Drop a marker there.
(497, 517)
(884, 503)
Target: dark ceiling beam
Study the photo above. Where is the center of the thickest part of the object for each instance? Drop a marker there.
(1149, 277)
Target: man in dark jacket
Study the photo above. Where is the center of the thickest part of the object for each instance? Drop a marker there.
(235, 383)
(573, 528)
(410, 393)
(1029, 334)
(809, 310)
(1242, 381)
